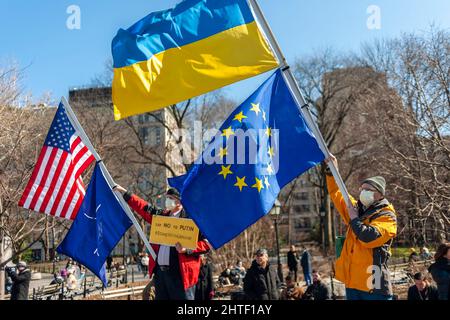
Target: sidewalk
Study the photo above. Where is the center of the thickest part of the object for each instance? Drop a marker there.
(132, 272)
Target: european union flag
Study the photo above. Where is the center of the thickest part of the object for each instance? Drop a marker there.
(98, 227)
(262, 146)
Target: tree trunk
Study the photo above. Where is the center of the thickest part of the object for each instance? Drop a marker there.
(330, 239)
(46, 242)
(53, 255)
(247, 254)
(2, 269)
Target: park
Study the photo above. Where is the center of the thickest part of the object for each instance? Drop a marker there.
(225, 150)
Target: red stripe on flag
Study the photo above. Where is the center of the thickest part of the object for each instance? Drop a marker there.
(62, 189)
(67, 179)
(34, 174)
(84, 166)
(41, 185)
(55, 179)
(80, 154)
(77, 206)
(69, 200)
(74, 144)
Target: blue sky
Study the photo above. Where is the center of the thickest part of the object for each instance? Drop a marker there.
(34, 33)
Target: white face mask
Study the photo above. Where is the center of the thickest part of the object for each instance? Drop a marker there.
(170, 204)
(367, 197)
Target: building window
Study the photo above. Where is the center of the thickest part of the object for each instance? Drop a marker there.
(158, 135)
(36, 254)
(305, 208)
(143, 134)
(301, 196)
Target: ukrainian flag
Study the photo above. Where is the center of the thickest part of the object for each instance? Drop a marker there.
(173, 55)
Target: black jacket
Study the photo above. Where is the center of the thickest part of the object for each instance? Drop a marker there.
(317, 291)
(21, 284)
(261, 283)
(305, 261)
(430, 293)
(440, 270)
(205, 283)
(292, 259)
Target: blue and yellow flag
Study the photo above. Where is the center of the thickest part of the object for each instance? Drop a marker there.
(262, 146)
(174, 55)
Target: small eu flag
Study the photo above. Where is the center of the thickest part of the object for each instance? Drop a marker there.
(98, 227)
(262, 146)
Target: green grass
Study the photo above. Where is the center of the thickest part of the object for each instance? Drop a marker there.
(403, 252)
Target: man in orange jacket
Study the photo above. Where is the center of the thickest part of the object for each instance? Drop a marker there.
(371, 226)
(176, 269)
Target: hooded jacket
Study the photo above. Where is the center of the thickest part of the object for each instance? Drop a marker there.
(362, 264)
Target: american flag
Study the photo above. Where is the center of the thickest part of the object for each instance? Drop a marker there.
(55, 186)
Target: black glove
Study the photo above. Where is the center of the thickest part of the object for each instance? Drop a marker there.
(9, 271)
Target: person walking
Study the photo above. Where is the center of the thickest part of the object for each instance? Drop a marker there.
(109, 262)
(371, 227)
(71, 282)
(21, 281)
(306, 266)
(176, 269)
(422, 290)
(261, 280)
(145, 260)
(292, 260)
(240, 272)
(440, 270)
(204, 290)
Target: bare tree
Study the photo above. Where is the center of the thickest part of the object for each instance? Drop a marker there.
(416, 136)
(335, 86)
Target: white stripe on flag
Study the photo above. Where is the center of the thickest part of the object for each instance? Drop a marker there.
(61, 176)
(72, 205)
(36, 183)
(49, 179)
(70, 183)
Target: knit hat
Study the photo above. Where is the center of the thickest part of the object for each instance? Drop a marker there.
(378, 183)
(173, 192)
(261, 251)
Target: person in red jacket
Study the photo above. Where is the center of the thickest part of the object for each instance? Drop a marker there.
(176, 269)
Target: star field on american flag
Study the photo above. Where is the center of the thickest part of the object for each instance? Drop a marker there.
(60, 132)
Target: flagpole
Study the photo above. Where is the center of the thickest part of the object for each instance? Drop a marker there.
(74, 120)
(298, 95)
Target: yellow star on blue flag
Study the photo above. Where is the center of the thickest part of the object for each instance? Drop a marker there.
(263, 145)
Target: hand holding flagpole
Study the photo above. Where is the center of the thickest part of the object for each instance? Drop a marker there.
(73, 119)
(295, 89)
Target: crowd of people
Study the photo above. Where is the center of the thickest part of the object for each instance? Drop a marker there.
(180, 273)
(259, 282)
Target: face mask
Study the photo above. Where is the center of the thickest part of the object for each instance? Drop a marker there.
(366, 197)
(170, 204)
